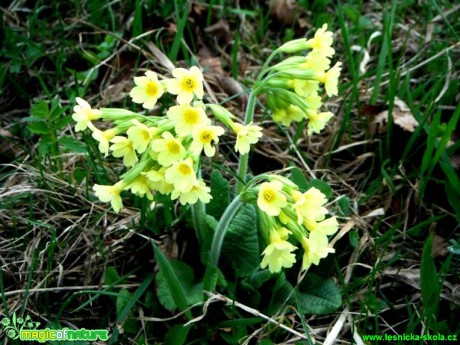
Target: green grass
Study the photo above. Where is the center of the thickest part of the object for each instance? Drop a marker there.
(55, 235)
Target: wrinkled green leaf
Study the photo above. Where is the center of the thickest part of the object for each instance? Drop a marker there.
(241, 244)
(298, 177)
(73, 144)
(220, 193)
(40, 110)
(39, 127)
(319, 296)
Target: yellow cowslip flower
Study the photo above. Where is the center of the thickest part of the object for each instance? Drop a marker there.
(181, 175)
(286, 116)
(185, 84)
(141, 135)
(142, 186)
(309, 205)
(123, 147)
(169, 149)
(271, 199)
(278, 253)
(110, 194)
(330, 79)
(246, 135)
(147, 90)
(186, 118)
(314, 102)
(317, 121)
(83, 114)
(322, 41)
(327, 227)
(305, 88)
(203, 136)
(316, 62)
(103, 137)
(316, 247)
(199, 191)
(157, 178)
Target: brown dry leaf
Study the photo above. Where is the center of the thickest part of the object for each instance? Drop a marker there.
(402, 116)
(221, 30)
(439, 246)
(231, 87)
(283, 11)
(210, 64)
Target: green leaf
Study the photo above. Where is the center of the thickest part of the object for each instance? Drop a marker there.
(220, 193)
(111, 276)
(177, 335)
(354, 238)
(39, 127)
(122, 300)
(429, 283)
(174, 293)
(298, 177)
(73, 144)
(40, 110)
(319, 296)
(241, 244)
(454, 248)
(344, 206)
(322, 186)
(282, 293)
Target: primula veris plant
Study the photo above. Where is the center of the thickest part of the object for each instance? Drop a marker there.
(163, 152)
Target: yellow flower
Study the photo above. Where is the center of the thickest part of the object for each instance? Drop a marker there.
(141, 135)
(305, 88)
(309, 205)
(103, 137)
(203, 136)
(317, 121)
(169, 149)
(330, 79)
(186, 84)
(186, 118)
(142, 186)
(123, 147)
(271, 200)
(278, 253)
(181, 175)
(286, 116)
(110, 194)
(198, 191)
(316, 62)
(322, 41)
(147, 90)
(246, 135)
(157, 178)
(327, 227)
(315, 248)
(314, 102)
(84, 114)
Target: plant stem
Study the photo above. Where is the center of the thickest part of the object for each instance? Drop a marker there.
(243, 162)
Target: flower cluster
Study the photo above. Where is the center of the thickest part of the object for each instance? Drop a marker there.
(287, 214)
(293, 86)
(163, 153)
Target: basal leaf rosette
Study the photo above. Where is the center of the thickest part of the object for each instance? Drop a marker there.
(162, 152)
(290, 219)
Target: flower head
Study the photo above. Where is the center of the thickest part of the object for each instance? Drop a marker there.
(317, 121)
(246, 135)
(185, 84)
(278, 253)
(84, 114)
(322, 41)
(203, 137)
(169, 149)
(186, 118)
(315, 248)
(181, 175)
(158, 181)
(110, 194)
(123, 147)
(305, 88)
(142, 186)
(286, 116)
(141, 135)
(199, 191)
(103, 137)
(271, 199)
(331, 79)
(147, 90)
(309, 205)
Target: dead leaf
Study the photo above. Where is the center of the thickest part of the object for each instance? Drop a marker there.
(402, 116)
(231, 87)
(221, 31)
(439, 246)
(284, 11)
